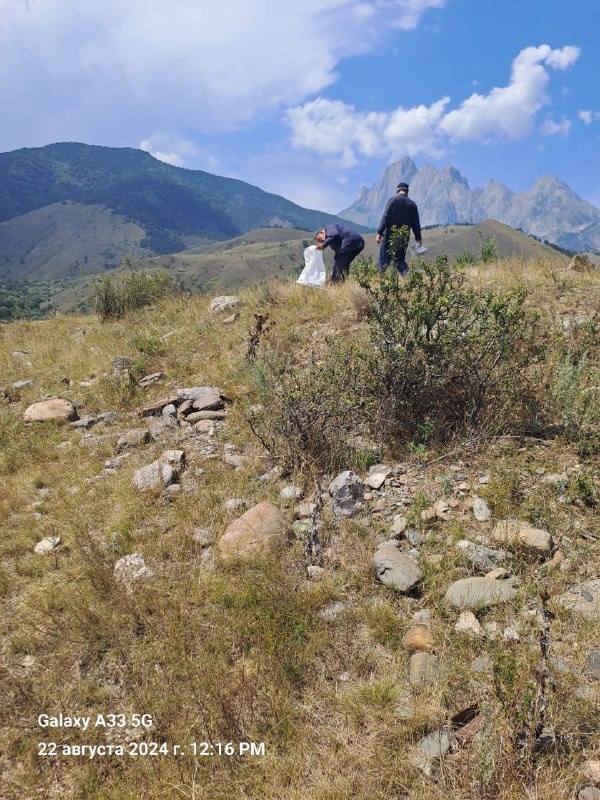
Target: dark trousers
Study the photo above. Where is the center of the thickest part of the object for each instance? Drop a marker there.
(388, 254)
(342, 261)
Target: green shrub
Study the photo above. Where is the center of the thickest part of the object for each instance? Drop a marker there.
(115, 295)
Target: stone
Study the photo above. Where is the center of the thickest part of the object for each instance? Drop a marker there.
(315, 573)
(481, 510)
(22, 384)
(482, 558)
(197, 416)
(523, 536)
(477, 593)
(377, 475)
(418, 638)
(203, 398)
(399, 526)
(590, 771)
(395, 569)
(332, 611)
(290, 493)
(589, 793)
(47, 545)
(54, 409)
(347, 494)
(135, 437)
(223, 302)
(161, 473)
(482, 665)
(130, 569)
(234, 503)
(205, 427)
(258, 531)
(582, 599)
(234, 460)
(231, 318)
(424, 668)
(148, 380)
(437, 744)
(468, 623)
(592, 669)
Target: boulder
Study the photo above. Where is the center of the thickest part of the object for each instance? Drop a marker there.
(223, 302)
(54, 409)
(347, 494)
(257, 531)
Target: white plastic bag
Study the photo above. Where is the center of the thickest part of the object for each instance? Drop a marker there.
(314, 273)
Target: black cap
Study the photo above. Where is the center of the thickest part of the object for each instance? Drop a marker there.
(403, 186)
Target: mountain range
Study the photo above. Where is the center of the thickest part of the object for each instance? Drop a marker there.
(549, 210)
(69, 209)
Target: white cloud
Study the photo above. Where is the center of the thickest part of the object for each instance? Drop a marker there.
(112, 70)
(552, 128)
(334, 128)
(587, 117)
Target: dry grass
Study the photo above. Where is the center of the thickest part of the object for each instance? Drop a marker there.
(235, 653)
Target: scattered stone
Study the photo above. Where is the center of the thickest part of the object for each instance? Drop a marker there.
(47, 545)
(203, 397)
(377, 475)
(589, 793)
(130, 569)
(135, 437)
(590, 771)
(84, 422)
(20, 353)
(556, 479)
(332, 611)
(205, 427)
(271, 475)
(482, 558)
(347, 494)
(422, 617)
(395, 569)
(439, 510)
(418, 639)
(196, 416)
(53, 409)
(257, 531)
(437, 744)
(477, 593)
(592, 670)
(169, 411)
(304, 510)
(121, 366)
(234, 460)
(523, 536)
(510, 634)
(96, 440)
(399, 526)
(231, 318)
(290, 493)
(406, 709)
(161, 473)
(223, 302)
(424, 668)
(155, 408)
(234, 503)
(468, 623)
(22, 384)
(481, 510)
(582, 599)
(482, 664)
(555, 562)
(148, 380)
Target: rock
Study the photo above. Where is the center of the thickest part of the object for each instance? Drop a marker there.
(130, 569)
(205, 427)
(332, 611)
(231, 318)
(481, 557)
(315, 573)
(399, 526)
(590, 771)
(22, 384)
(148, 380)
(478, 593)
(223, 302)
(196, 416)
(54, 409)
(377, 475)
(135, 437)
(523, 536)
(589, 793)
(395, 569)
(582, 599)
(437, 744)
(469, 624)
(481, 510)
(203, 397)
(439, 510)
(257, 531)
(234, 503)
(482, 665)
(170, 410)
(234, 460)
(347, 494)
(418, 638)
(47, 545)
(592, 670)
(290, 493)
(161, 473)
(424, 668)
(305, 510)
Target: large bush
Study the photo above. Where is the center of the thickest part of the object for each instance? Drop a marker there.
(115, 296)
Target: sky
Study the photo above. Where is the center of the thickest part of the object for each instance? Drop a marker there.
(312, 99)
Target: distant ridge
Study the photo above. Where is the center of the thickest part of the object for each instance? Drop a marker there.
(139, 206)
(549, 210)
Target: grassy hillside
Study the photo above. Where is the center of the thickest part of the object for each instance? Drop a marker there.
(293, 668)
(278, 252)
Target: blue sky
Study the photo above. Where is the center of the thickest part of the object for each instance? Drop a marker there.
(312, 99)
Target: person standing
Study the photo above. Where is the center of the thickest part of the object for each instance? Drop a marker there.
(346, 245)
(400, 210)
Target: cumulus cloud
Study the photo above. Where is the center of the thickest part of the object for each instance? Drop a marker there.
(587, 116)
(337, 129)
(552, 128)
(111, 69)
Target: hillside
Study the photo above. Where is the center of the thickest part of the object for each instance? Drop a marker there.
(137, 201)
(187, 564)
(266, 253)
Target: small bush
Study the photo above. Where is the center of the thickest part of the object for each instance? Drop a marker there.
(115, 296)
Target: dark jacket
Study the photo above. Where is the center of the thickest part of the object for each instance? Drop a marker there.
(341, 239)
(399, 211)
